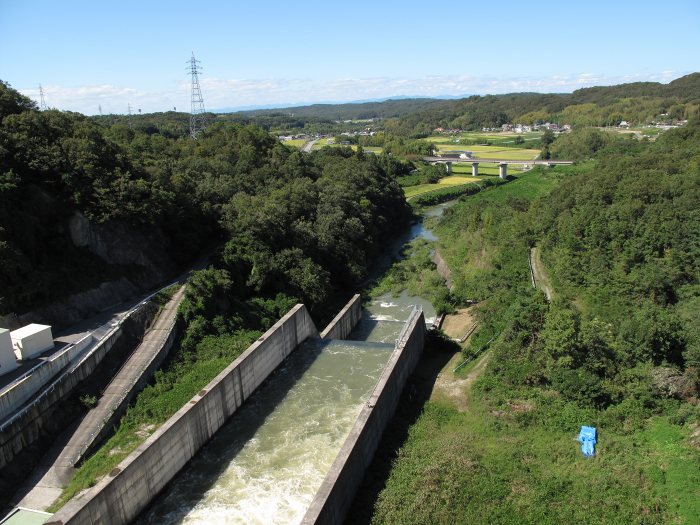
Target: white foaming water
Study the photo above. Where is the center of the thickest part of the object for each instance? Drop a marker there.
(377, 317)
(265, 465)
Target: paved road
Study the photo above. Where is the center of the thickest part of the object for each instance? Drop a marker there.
(56, 468)
(309, 146)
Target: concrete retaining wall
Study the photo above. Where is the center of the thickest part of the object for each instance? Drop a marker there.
(343, 323)
(126, 491)
(35, 421)
(12, 397)
(333, 499)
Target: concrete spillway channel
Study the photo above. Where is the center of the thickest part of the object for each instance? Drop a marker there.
(296, 449)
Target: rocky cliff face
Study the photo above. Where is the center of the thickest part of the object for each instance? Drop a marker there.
(145, 251)
(117, 243)
(76, 307)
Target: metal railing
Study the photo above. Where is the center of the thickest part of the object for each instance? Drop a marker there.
(52, 386)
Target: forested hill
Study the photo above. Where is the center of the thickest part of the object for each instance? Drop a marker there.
(391, 108)
(285, 222)
(638, 103)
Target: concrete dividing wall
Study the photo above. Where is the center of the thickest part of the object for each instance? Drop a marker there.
(345, 321)
(35, 421)
(12, 397)
(333, 499)
(127, 490)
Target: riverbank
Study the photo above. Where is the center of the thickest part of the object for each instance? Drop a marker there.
(507, 452)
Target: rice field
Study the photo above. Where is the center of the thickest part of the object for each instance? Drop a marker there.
(494, 138)
(492, 152)
(454, 180)
(295, 143)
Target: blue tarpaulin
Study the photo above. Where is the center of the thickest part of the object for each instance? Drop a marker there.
(587, 438)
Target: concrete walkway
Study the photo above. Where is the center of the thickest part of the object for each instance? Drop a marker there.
(57, 466)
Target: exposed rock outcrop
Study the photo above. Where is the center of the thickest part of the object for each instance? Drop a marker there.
(117, 243)
(76, 307)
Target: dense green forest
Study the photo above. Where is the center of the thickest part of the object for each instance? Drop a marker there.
(292, 223)
(616, 348)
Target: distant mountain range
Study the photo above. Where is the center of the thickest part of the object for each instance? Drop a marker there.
(290, 107)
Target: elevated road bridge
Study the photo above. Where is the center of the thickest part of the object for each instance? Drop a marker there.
(502, 163)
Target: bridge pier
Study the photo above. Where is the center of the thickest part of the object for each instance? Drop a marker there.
(475, 169)
(503, 170)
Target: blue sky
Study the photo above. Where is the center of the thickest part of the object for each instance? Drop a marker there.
(109, 53)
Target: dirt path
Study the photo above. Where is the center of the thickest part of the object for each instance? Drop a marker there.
(541, 278)
(458, 324)
(456, 388)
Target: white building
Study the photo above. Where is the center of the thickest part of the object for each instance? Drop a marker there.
(8, 361)
(31, 340)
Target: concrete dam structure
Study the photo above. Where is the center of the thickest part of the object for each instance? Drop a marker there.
(296, 450)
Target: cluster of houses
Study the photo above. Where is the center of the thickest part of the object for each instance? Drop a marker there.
(522, 128)
(21, 344)
(512, 128)
(367, 132)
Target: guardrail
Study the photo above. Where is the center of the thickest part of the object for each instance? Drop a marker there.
(30, 382)
(52, 386)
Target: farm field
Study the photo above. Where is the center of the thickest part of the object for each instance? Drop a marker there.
(295, 143)
(637, 132)
(454, 180)
(464, 139)
(491, 152)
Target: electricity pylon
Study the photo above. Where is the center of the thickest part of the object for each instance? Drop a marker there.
(197, 119)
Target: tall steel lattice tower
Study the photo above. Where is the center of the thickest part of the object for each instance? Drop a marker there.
(42, 102)
(197, 120)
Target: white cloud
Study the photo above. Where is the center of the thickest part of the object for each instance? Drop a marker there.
(232, 93)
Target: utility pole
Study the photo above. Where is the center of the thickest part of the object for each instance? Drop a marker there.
(197, 120)
(42, 102)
